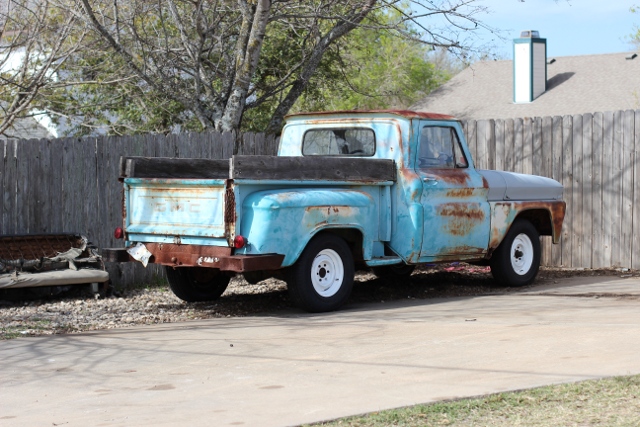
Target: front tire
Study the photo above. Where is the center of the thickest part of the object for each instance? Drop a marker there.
(322, 278)
(517, 260)
(193, 284)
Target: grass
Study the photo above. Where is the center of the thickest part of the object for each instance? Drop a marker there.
(607, 402)
(26, 328)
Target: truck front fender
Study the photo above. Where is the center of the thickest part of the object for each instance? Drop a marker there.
(283, 221)
(546, 216)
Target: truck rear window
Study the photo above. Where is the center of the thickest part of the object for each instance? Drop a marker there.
(339, 142)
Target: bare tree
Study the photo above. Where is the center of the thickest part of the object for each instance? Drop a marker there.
(36, 39)
(207, 55)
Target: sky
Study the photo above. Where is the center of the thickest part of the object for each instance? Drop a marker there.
(571, 27)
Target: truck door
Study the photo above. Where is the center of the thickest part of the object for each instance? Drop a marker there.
(454, 199)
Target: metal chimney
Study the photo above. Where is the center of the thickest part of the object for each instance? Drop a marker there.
(529, 66)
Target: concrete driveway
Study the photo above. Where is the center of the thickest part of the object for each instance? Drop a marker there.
(295, 368)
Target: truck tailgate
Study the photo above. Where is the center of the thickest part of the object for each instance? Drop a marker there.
(191, 210)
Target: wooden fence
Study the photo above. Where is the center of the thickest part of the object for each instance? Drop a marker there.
(71, 185)
(596, 158)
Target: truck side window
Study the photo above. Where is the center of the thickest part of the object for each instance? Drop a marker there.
(440, 149)
(339, 142)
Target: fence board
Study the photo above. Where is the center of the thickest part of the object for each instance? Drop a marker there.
(597, 195)
(527, 145)
(471, 133)
(556, 250)
(3, 188)
(567, 182)
(616, 207)
(509, 135)
(545, 154)
(482, 144)
(587, 177)
(635, 255)
(500, 145)
(536, 153)
(518, 162)
(608, 186)
(578, 216)
(628, 150)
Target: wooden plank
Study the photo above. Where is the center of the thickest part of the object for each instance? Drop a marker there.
(46, 184)
(527, 145)
(499, 162)
(557, 169)
(471, 137)
(490, 137)
(23, 186)
(608, 186)
(228, 144)
(312, 168)
(616, 179)
(567, 182)
(536, 153)
(90, 201)
(160, 167)
(628, 150)
(518, 162)
(578, 213)
(545, 154)
(635, 254)
(587, 190)
(216, 145)
(3, 187)
(509, 141)
(597, 196)
(55, 172)
(481, 145)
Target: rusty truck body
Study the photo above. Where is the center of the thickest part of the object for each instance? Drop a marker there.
(386, 190)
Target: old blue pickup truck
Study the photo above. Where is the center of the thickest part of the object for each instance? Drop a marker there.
(386, 190)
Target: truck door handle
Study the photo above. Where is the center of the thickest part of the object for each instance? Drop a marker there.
(429, 180)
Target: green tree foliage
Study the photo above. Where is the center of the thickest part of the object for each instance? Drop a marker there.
(377, 69)
(180, 65)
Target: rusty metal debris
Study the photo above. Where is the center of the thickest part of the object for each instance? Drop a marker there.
(49, 260)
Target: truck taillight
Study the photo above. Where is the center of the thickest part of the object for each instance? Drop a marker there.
(239, 242)
(118, 233)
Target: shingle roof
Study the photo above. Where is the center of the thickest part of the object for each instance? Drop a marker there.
(575, 85)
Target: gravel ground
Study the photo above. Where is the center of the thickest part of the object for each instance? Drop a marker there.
(78, 310)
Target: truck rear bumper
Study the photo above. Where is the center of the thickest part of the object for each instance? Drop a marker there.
(199, 256)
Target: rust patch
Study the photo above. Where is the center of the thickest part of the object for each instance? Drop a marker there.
(485, 183)
(453, 176)
(33, 247)
(460, 192)
(230, 215)
(183, 255)
(461, 218)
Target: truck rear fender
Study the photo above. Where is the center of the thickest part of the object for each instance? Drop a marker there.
(546, 217)
(283, 221)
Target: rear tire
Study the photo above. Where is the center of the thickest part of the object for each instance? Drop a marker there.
(517, 260)
(322, 278)
(193, 284)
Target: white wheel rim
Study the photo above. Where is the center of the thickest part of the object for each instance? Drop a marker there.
(521, 254)
(327, 273)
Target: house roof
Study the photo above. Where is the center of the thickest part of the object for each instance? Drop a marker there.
(575, 85)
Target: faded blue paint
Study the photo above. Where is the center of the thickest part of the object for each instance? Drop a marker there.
(188, 209)
(284, 220)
